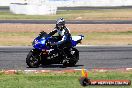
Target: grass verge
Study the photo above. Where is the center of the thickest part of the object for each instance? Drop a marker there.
(99, 14)
(93, 38)
(57, 80)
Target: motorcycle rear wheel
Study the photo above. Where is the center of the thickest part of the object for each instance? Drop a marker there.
(73, 60)
(33, 60)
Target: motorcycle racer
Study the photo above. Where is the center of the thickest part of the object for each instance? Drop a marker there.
(51, 49)
(64, 36)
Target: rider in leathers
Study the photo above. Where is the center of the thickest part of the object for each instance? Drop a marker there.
(64, 36)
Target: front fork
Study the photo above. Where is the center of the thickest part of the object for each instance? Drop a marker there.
(37, 53)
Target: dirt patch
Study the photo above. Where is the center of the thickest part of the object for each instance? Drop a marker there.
(83, 28)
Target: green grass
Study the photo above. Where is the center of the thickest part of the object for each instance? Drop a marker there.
(99, 14)
(57, 80)
(107, 38)
(107, 35)
(19, 34)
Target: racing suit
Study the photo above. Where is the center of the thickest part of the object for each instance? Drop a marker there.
(64, 37)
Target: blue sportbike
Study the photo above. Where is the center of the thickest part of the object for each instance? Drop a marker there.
(44, 53)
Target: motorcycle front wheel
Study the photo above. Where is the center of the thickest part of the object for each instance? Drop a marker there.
(33, 59)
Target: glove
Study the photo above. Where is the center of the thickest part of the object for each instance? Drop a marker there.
(42, 33)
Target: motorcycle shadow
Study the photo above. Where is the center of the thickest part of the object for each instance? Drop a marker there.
(59, 66)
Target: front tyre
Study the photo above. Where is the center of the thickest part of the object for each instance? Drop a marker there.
(33, 59)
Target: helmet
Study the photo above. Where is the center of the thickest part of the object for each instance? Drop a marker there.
(60, 23)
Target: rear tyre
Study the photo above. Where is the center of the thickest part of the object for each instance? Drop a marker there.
(33, 60)
(74, 57)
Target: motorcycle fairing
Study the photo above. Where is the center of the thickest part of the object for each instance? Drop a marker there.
(76, 39)
(40, 42)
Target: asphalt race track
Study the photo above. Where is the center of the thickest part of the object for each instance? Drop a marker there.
(90, 57)
(67, 22)
(93, 8)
